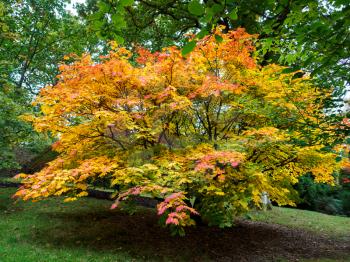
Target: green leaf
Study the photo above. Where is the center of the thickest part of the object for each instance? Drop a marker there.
(104, 7)
(208, 16)
(268, 42)
(118, 21)
(96, 16)
(97, 24)
(202, 33)
(196, 8)
(233, 15)
(126, 2)
(218, 38)
(217, 8)
(120, 40)
(188, 47)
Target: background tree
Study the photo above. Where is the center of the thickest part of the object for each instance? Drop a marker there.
(42, 33)
(34, 37)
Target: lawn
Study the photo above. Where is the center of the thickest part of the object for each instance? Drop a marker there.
(315, 222)
(86, 230)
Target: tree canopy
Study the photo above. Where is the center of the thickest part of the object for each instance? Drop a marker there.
(36, 35)
(312, 35)
(206, 132)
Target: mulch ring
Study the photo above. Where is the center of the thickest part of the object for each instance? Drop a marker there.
(141, 235)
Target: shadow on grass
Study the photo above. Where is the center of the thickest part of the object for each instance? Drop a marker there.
(141, 236)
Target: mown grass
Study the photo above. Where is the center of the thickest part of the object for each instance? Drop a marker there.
(86, 230)
(41, 231)
(333, 226)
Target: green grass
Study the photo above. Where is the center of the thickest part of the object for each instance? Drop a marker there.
(40, 232)
(86, 230)
(333, 226)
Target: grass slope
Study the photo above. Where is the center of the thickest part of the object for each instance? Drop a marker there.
(332, 226)
(86, 230)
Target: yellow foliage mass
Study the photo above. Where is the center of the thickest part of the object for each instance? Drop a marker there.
(213, 125)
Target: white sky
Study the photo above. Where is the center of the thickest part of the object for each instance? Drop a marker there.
(70, 6)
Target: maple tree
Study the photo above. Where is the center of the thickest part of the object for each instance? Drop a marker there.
(206, 132)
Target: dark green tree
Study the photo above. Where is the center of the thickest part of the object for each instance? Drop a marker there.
(34, 37)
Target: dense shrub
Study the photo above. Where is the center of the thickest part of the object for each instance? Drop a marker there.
(334, 200)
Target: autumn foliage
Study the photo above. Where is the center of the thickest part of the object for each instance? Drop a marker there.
(207, 132)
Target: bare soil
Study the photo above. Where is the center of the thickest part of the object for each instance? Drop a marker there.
(141, 236)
